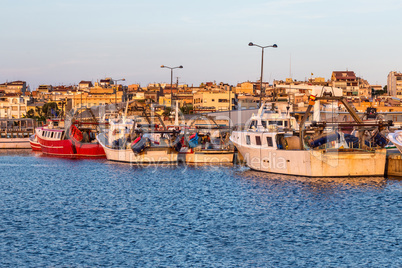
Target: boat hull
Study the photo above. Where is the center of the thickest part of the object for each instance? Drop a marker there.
(70, 148)
(151, 155)
(214, 157)
(35, 145)
(396, 139)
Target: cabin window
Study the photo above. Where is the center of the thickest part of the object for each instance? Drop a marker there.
(253, 124)
(51, 135)
(248, 139)
(269, 141)
(264, 124)
(279, 123)
(257, 140)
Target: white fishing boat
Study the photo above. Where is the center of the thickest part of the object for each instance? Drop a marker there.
(396, 139)
(206, 143)
(15, 133)
(139, 140)
(281, 148)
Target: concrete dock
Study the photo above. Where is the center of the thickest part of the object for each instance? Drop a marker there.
(393, 166)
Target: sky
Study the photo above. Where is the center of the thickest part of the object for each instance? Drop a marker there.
(63, 42)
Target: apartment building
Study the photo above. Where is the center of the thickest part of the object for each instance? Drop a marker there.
(13, 106)
(244, 88)
(347, 81)
(15, 87)
(85, 84)
(394, 84)
(213, 100)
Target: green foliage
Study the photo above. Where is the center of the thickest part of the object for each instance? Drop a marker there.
(167, 111)
(31, 114)
(187, 109)
(47, 107)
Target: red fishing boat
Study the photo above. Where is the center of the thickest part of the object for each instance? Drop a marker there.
(70, 143)
(74, 141)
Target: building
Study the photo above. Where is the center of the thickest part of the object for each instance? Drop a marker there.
(247, 102)
(15, 87)
(44, 89)
(347, 81)
(244, 88)
(394, 84)
(207, 101)
(95, 96)
(365, 91)
(14, 106)
(107, 82)
(85, 84)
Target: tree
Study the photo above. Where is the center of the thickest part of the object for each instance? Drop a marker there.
(167, 111)
(31, 113)
(186, 109)
(47, 109)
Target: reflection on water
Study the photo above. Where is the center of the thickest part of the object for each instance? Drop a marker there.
(323, 182)
(16, 152)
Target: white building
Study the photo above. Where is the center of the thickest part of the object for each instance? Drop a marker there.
(394, 84)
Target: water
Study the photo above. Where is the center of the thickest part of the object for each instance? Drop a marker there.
(59, 212)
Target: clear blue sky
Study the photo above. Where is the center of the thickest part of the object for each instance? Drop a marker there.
(63, 42)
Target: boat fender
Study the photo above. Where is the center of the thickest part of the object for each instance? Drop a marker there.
(193, 142)
(140, 145)
(136, 140)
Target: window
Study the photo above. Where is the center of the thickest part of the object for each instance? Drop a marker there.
(248, 139)
(52, 135)
(257, 140)
(286, 123)
(269, 141)
(264, 124)
(279, 123)
(253, 124)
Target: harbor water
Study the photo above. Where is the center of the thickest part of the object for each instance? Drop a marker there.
(61, 212)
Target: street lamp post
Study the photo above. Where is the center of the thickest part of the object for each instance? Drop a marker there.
(262, 64)
(171, 81)
(115, 89)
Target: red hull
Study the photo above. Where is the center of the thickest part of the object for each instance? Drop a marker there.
(35, 146)
(71, 148)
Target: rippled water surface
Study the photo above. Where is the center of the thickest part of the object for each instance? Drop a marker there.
(59, 212)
